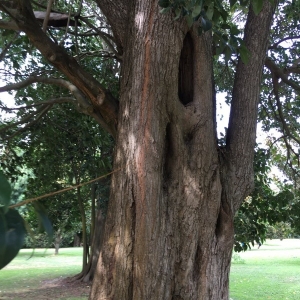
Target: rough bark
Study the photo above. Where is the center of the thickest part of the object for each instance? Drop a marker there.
(87, 274)
(97, 228)
(169, 229)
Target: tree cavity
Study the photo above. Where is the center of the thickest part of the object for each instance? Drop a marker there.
(186, 71)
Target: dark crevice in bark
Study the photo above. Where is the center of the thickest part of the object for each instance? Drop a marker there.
(186, 71)
(197, 265)
(168, 156)
(133, 209)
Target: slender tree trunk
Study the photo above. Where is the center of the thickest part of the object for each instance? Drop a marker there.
(57, 241)
(88, 272)
(169, 229)
(97, 228)
(84, 232)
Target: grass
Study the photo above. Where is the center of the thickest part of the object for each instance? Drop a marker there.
(29, 271)
(271, 272)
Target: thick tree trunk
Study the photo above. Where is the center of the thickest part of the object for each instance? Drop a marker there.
(169, 229)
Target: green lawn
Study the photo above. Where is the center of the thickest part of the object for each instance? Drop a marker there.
(271, 272)
(27, 276)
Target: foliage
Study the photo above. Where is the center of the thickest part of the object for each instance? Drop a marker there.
(218, 16)
(264, 208)
(61, 146)
(237, 259)
(12, 228)
(281, 230)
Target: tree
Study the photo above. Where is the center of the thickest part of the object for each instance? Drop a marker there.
(61, 150)
(169, 226)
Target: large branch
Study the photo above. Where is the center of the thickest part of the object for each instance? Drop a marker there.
(104, 104)
(83, 104)
(243, 116)
(11, 25)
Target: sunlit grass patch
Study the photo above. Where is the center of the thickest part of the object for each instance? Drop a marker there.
(271, 272)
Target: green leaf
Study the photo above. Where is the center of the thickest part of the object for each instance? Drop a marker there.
(210, 11)
(196, 11)
(44, 221)
(206, 24)
(5, 192)
(232, 2)
(245, 54)
(189, 20)
(165, 10)
(164, 3)
(227, 53)
(177, 14)
(257, 6)
(244, 2)
(12, 234)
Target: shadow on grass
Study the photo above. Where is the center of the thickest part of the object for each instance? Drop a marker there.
(62, 289)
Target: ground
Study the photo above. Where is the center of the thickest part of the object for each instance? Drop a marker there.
(59, 288)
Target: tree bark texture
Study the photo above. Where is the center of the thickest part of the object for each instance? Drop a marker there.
(169, 229)
(87, 273)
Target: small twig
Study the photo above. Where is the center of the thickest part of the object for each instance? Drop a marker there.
(4, 51)
(47, 16)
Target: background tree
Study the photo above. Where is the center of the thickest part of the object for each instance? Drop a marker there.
(61, 150)
(169, 227)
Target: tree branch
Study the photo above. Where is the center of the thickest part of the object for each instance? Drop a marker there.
(51, 101)
(241, 134)
(4, 51)
(274, 46)
(280, 74)
(105, 106)
(47, 16)
(24, 120)
(83, 104)
(104, 36)
(42, 111)
(10, 25)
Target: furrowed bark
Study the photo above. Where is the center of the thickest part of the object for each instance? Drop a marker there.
(243, 116)
(163, 236)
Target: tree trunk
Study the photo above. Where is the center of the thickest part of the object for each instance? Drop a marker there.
(88, 272)
(97, 229)
(169, 228)
(84, 232)
(57, 241)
